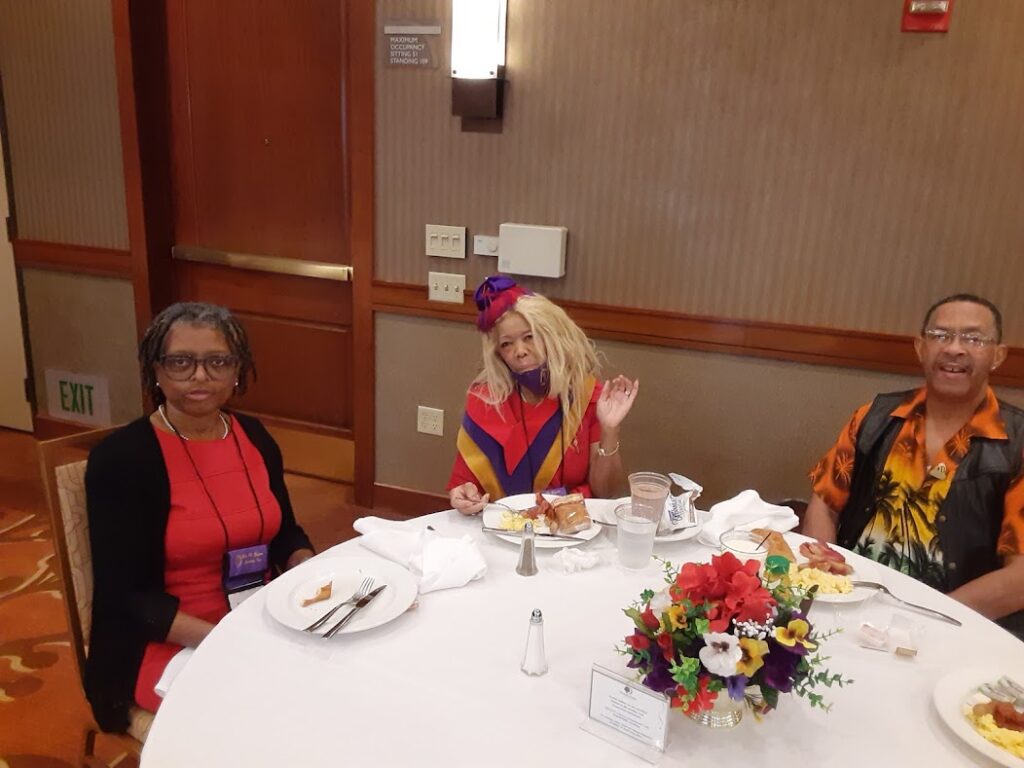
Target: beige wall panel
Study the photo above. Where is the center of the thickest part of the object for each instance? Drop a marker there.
(60, 88)
(727, 422)
(804, 163)
(84, 325)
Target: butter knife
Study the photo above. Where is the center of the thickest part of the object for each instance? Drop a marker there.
(363, 602)
(504, 532)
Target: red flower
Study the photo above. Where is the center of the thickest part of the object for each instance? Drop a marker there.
(638, 641)
(665, 642)
(703, 699)
(732, 588)
(650, 619)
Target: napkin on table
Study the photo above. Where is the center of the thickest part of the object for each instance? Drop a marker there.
(745, 511)
(438, 562)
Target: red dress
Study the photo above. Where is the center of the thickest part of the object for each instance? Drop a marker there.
(194, 541)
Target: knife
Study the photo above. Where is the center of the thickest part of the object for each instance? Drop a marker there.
(504, 532)
(363, 602)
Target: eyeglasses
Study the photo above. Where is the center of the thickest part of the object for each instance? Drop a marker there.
(183, 367)
(971, 339)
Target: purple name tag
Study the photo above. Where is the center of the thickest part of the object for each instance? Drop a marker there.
(559, 491)
(246, 560)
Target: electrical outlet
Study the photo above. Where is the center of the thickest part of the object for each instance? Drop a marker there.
(442, 286)
(449, 242)
(429, 421)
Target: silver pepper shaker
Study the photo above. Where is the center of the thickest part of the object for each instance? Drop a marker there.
(534, 660)
(527, 558)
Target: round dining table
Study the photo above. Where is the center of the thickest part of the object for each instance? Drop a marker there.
(441, 684)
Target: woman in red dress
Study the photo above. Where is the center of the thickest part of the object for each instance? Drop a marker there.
(173, 499)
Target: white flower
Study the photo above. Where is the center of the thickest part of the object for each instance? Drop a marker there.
(721, 654)
(661, 602)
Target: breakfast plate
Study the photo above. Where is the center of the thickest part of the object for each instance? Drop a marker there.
(495, 512)
(345, 573)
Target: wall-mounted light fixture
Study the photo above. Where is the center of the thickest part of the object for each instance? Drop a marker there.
(478, 57)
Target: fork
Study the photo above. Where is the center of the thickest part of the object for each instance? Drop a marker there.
(883, 588)
(364, 589)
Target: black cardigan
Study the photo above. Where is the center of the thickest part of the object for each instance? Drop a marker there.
(128, 496)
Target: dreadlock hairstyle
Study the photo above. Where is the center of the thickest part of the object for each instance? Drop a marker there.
(570, 355)
(151, 348)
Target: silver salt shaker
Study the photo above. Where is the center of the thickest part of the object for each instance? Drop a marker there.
(534, 661)
(527, 558)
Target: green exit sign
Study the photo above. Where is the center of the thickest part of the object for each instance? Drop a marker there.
(78, 397)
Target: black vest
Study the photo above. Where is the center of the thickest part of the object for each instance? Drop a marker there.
(970, 517)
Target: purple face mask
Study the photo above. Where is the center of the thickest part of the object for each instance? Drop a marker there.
(537, 380)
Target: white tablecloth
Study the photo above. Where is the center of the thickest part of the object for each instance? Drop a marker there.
(441, 685)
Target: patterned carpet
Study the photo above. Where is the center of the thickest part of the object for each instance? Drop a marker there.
(43, 713)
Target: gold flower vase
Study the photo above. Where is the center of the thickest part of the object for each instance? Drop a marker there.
(724, 713)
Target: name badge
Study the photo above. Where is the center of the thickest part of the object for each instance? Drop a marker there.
(244, 572)
(559, 491)
(627, 714)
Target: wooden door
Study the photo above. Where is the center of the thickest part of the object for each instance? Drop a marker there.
(259, 178)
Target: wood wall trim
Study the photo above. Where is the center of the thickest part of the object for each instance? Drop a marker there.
(406, 501)
(48, 428)
(777, 341)
(140, 45)
(299, 425)
(66, 257)
(360, 33)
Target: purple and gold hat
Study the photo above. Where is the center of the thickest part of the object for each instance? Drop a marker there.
(495, 296)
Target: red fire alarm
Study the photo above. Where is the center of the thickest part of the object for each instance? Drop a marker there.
(927, 15)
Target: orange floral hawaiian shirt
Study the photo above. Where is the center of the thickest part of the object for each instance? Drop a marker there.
(903, 533)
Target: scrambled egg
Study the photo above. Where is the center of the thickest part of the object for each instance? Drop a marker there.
(514, 521)
(827, 583)
(1011, 741)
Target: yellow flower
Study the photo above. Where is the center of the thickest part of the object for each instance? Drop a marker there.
(676, 618)
(753, 650)
(795, 632)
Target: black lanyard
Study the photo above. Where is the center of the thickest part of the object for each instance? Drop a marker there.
(206, 490)
(526, 434)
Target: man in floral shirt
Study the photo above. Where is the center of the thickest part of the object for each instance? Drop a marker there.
(929, 482)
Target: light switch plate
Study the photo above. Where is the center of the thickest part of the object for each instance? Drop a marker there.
(485, 245)
(443, 286)
(449, 242)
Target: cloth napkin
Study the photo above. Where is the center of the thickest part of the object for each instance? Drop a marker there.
(745, 511)
(438, 562)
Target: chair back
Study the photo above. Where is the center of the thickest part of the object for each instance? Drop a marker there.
(62, 464)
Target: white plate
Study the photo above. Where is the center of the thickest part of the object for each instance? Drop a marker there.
(492, 519)
(863, 570)
(607, 513)
(958, 688)
(345, 572)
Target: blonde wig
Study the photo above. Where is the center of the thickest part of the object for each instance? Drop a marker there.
(570, 356)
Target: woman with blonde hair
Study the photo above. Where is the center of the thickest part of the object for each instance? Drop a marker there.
(536, 418)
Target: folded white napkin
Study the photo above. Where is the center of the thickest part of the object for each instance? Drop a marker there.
(438, 562)
(745, 511)
(172, 670)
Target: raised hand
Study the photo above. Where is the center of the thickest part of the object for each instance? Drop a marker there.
(616, 399)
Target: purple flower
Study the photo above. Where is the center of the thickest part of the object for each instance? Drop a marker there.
(659, 678)
(779, 667)
(737, 685)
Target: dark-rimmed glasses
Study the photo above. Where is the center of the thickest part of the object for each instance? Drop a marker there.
(183, 367)
(944, 338)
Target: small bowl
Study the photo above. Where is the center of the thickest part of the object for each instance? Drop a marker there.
(744, 544)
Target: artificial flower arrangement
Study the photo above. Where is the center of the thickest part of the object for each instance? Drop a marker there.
(720, 629)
